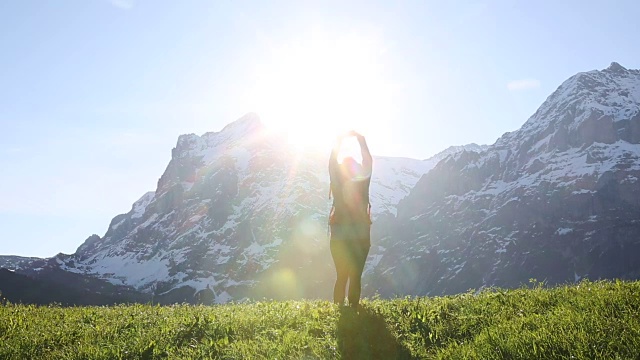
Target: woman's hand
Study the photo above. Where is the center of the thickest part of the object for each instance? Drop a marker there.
(351, 133)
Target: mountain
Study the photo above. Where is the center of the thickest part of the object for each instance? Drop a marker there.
(18, 288)
(240, 214)
(236, 214)
(557, 200)
(15, 262)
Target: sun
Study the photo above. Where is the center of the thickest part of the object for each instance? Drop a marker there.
(315, 88)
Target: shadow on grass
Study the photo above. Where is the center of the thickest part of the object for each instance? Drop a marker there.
(364, 335)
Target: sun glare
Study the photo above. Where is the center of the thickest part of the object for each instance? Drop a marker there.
(316, 88)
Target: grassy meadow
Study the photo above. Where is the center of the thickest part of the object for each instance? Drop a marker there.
(590, 320)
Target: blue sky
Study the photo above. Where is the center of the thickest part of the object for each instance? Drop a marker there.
(94, 93)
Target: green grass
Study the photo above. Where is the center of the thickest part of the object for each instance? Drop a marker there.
(591, 320)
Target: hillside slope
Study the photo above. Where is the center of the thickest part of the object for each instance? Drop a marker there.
(586, 321)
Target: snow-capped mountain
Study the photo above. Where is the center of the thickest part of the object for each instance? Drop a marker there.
(558, 200)
(236, 214)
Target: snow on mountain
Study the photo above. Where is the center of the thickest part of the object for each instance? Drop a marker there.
(140, 206)
(10, 262)
(594, 97)
(393, 178)
(557, 200)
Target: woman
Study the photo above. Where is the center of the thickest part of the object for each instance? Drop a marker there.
(350, 219)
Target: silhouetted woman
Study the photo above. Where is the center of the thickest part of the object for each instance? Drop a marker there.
(350, 219)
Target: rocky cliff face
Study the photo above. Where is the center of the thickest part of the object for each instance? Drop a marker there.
(558, 200)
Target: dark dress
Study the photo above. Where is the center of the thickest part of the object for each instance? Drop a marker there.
(350, 225)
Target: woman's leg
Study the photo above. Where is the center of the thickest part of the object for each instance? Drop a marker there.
(359, 252)
(341, 261)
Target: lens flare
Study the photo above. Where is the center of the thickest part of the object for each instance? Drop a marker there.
(285, 284)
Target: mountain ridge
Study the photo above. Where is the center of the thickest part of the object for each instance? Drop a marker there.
(235, 217)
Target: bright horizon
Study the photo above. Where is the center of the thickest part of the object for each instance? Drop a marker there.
(96, 92)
